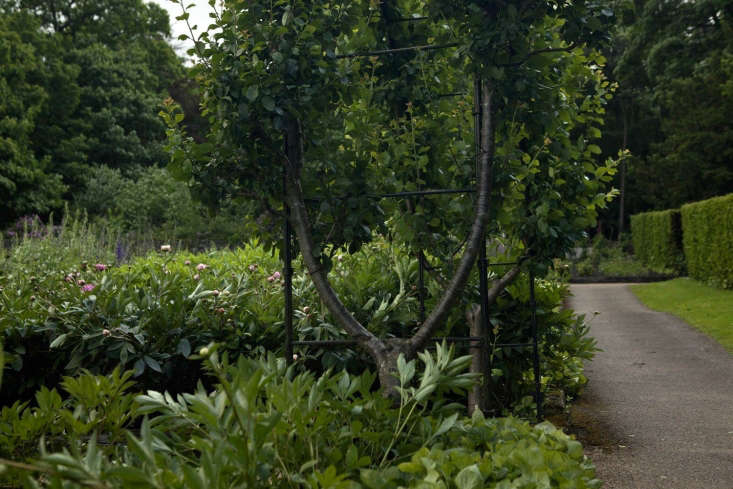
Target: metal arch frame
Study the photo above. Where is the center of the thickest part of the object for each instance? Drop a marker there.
(483, 264)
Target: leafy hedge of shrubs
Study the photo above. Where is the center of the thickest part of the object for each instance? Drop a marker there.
(657, 239)
(708, 240)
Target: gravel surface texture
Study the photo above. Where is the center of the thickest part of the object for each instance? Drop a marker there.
(660, 392)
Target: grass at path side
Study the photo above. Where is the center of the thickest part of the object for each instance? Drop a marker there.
(708, 309)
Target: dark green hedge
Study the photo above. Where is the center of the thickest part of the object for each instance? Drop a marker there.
(708, 240)
(657, 238)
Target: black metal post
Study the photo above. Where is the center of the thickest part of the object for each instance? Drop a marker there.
(421, 284)
(535, 348)
(288, 274)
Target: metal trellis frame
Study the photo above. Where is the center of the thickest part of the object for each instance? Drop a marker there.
(483, 340)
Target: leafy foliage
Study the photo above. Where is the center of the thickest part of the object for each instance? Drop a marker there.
(657, 238)
(266, 424)
(671, 59)
(707, 240)
(150, 315)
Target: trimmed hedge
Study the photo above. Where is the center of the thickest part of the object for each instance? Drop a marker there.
(708, 240)
(657, 238)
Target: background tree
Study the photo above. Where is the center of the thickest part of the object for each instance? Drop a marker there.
(295, 118)
(26, 186)
(672, 62)
(104, 69)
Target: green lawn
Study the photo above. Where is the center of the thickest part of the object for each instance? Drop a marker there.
(708, 309)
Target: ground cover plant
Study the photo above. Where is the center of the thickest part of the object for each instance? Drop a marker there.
(266, 424)
(707, 308)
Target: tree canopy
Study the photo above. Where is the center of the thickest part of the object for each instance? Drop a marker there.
(307, 110)
(85, 82)
(672, 60)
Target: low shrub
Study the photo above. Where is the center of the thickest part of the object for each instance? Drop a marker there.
(266, 425)
(657, 238)
(708, 240)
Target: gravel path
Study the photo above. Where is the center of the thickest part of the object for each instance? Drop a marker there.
(661, 391)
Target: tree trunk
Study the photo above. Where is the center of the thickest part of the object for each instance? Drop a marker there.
(386, 352)
(478, 397)
(622, 183)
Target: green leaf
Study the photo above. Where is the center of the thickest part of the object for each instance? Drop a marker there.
(184, 347)
(469, 478)
(252, 92)
(268, 103)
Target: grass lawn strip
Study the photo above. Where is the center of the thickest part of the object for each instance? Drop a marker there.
(707, 308)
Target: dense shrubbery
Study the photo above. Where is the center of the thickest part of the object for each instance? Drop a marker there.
(604, 258)
(707, 239)
(267, 425)
(68, 306)
(151, 203)
(657, 238)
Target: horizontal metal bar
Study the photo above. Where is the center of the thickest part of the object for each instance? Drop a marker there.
(426, 192)
(513, 345)
(452, 94)
(404, 194)
(426, 47)
(325, 343)
(410, 19)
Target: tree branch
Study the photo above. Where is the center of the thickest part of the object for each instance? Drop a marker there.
(301, 226)
(476, 237)
(538, 51)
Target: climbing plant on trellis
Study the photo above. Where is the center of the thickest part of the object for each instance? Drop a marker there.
(346, 119)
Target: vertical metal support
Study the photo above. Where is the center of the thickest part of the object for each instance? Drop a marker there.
(421, 284)
(288, 274)
(535, 348)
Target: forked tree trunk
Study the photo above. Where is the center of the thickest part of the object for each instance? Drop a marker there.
(386, 352)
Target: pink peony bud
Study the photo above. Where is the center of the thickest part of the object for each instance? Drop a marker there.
(196, 277)
(201, 266)
(276, 275)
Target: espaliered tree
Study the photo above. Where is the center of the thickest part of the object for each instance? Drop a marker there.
(311, 119)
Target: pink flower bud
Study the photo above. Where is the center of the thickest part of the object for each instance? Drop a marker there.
(252, 267)
(196, 277)
(88, 287)
(106, 332)
(276, 275)
(201, 266)
(100, 267)
(187, 262)
(215, 292)
(271, 279)
(80, 282)
(306, 309)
